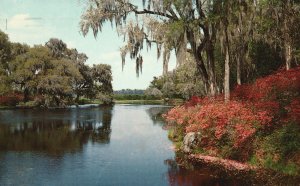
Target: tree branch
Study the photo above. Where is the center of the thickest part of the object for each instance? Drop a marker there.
(145, 11)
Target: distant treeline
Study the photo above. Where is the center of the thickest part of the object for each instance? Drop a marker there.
(134, 94)
(129, 92)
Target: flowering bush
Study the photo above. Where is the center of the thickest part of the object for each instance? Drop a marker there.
(10, 100)
(195, 100)
(271, 87)
(268, 103)
(235, 120)
(294, 110)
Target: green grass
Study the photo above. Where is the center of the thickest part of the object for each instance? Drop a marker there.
(289, 168)
(95, 101)
(5, 107)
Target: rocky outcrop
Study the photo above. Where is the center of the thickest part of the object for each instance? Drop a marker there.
(190, 141)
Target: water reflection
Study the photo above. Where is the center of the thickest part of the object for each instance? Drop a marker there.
(198, 175)
(78, 147)
(55, 131)
(156, 113)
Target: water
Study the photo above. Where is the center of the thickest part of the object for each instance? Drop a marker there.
(120, 145)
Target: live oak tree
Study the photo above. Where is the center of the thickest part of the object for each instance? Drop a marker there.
(197, 26)
(27, 67)
(84, 85)
(5, 54)
(102, 78)
(168, 24)
(57, 47)
(59, 83)
(50, 74)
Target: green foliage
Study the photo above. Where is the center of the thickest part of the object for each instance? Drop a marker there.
(5, 51)
(29, 104)
(5, 86)
(265, 59)
(285, 141)
(176, 134)
(51, 75)
(153, 93)
(286, 168)
(102, 77)
(279, 150)
(260, 125)
(183, 82)
(129, 97)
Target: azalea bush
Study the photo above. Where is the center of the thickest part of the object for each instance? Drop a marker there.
(11, 99)
(255, 110)
(220, 125)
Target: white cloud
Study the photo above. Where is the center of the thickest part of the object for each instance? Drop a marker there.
(24, 28)
(21, 21)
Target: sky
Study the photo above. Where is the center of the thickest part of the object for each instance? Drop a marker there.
(36, 21)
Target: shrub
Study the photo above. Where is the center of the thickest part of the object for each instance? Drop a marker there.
(11, 100)
(264, 108)
(222, 124)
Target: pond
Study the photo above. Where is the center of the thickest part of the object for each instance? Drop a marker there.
(107, 145)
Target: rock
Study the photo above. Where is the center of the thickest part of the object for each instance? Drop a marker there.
(190, 141)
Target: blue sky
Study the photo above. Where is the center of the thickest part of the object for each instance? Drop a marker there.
(35, 21)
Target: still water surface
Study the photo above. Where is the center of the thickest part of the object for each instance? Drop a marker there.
(119, 145)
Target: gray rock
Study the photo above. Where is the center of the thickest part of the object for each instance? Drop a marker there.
(190, 141)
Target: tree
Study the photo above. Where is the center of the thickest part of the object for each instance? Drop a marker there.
(153, 93)
(5, 52)
(84, 85)
(102, 78)
(182, 82)
(58, 85)
(50, 75)
(279, 26)
(57, 47)
(199, 26)
(27, 67)
(162, 19)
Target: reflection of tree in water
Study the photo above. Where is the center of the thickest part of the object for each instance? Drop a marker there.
(60, 134)
(156, 113)
(97, 131)
(188, 175)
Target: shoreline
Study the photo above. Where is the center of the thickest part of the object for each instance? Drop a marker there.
(228, 164)
(88, 105)
(232, 168)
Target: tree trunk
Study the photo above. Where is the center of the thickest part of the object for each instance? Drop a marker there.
(77, 98)
(165, 68)
(26, 95)
(227, 69)
(288, 55)
(211, 69)
(238, 70)
(207, 72)
(287, 43)
(203, 74)
(227, 76)
(181, 50)
(166, 58)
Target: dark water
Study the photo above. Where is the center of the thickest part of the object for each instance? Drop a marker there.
(120, 145)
